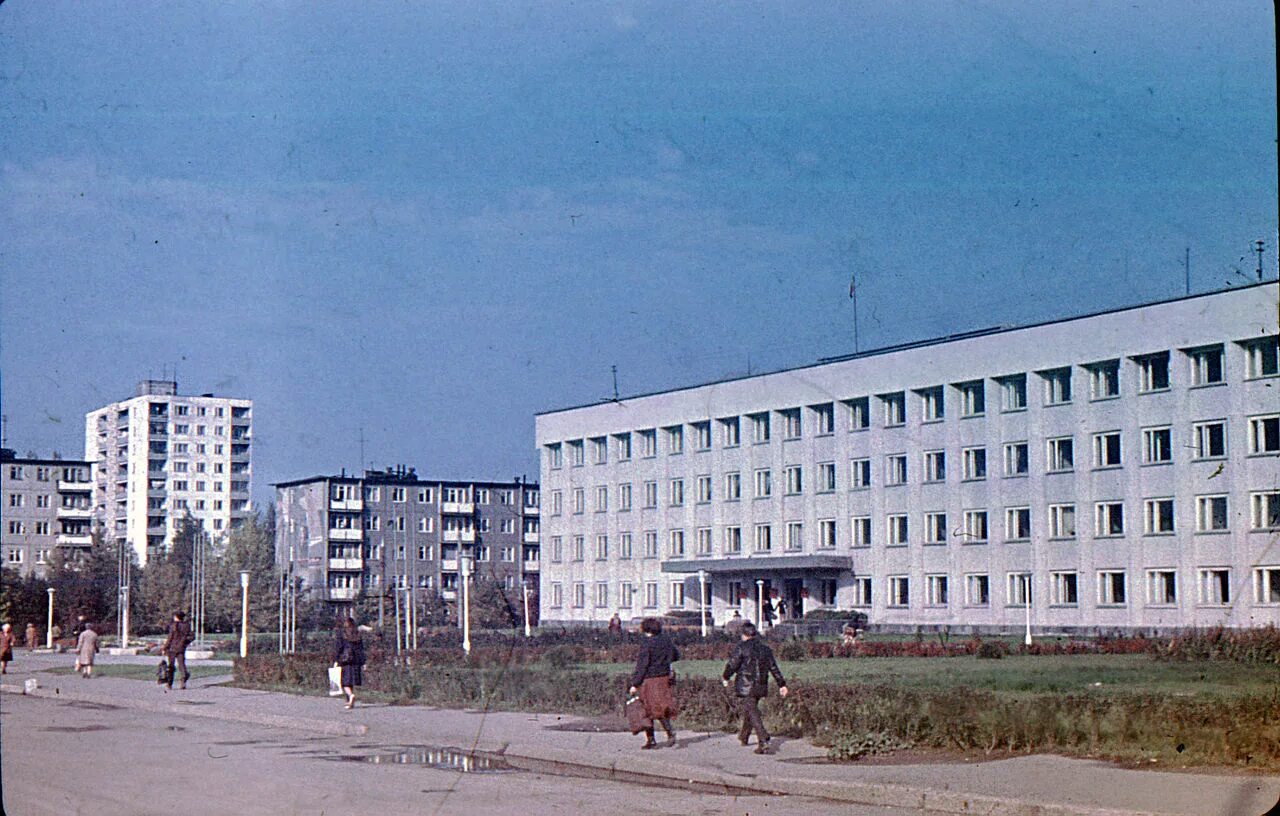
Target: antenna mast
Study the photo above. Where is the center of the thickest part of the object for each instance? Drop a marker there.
(1258, 246)
(614, 369)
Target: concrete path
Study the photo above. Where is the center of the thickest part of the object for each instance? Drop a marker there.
(1027, 786)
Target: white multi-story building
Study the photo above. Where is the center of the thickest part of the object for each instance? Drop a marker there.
(161, 457)
(1118, 470)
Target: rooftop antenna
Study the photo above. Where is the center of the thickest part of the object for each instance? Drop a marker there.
(360, 470)
(614, 369)
(4, 430)
(1258, 246)
(853, 295)
(1186, 269)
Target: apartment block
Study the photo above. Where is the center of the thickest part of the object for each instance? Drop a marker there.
(47, 508)
(349, 535)
(160, 457)
(1119, 470)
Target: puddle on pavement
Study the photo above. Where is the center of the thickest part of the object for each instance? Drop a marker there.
(443, 759)
(75, 729)
(92, 706)
(193, 702)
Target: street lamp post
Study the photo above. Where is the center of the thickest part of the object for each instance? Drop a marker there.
(49, 629)
(1026, 590)
(528, 629)
(244, 613)
(466, 604)
(702, 599)
(124, 616)
(759, 603)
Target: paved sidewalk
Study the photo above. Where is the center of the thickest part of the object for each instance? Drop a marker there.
(1026, 786)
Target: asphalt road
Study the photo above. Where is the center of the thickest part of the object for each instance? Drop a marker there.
(64, 758)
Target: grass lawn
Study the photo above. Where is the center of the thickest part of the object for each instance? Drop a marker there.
(135, 671)
(1018, 675)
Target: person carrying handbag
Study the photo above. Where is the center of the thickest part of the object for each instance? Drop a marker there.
(175, 649)
(653, 678)
(348, 654)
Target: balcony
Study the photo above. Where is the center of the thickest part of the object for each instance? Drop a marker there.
(531, 511)
(531, 565)
(449, 594)
(356, 564)
(74, 540)
(458, 536)
(347, 505)
(344, 534)
(74, 487)
(532, 536)
(458, 508)
(343, 593)
(81, 513)
(449, 565)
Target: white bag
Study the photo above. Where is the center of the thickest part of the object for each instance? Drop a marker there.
(335, 681)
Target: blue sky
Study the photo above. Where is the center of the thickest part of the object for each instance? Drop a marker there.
(430, 221)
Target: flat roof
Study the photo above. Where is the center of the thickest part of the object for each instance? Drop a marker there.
(914, 344)
(420, 481)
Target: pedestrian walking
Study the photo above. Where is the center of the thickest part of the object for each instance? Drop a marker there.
(734, 625)
(615, 624)
(348, 653)
(749, 667)
(7, 640)
(175, 649)
(653, 679)
(55, 635)
(86, 648)
(33, 636)
(766, 613)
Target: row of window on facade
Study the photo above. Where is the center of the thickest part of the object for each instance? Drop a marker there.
(183, 429)
(341, 492)
(159, 450)
(1212, 515)
(16, 556)
(426, 552)
(1208, 442)
(1207, 369)
(157, 409)
(448, 581)
(70, 501)
(1214, 587)
(427, 524)
(43, 473)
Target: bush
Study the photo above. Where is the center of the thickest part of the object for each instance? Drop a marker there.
(846, 747)
(990, 650)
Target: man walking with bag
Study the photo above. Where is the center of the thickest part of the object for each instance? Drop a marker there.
(175, 648)
(752, 662)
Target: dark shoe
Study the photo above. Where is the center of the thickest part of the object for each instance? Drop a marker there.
(744, 742)
(649, 746)
(671, 740)
(763, 747)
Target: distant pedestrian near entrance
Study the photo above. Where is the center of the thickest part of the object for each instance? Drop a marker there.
(749, 667)
(175, 649)
(33, 636)
(653, 679)
(348, 653)
(86, 650)
(7, 640)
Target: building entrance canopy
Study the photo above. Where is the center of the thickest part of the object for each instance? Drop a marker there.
(754, 565)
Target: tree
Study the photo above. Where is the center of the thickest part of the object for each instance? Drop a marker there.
(86, 583)
(493, 606)
(251, 546)
(23, 600)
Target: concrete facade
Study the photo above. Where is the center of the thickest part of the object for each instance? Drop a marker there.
(161, 457)
(46, 508)
(345, 536)
(1122, 468)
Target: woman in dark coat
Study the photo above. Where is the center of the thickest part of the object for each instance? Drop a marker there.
(653, 679)
(348, 652)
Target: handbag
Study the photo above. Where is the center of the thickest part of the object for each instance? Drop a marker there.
(636, 719)
(335, 681)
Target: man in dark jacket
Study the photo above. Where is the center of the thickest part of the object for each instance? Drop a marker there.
(175, 647)
(752, 662)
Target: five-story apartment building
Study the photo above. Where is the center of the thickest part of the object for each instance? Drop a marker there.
(47, 509)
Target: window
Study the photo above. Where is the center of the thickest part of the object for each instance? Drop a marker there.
(651, 595)
(557, 549)
(579, 548)
(1162, 587)
(791, 423)
(576, 454)
(624, 546)
(1266, 510)
(622, 446)
(795, 480)
(1264, 434)
(1061, 454)
(1109, 519)
(935, 590)
(935, 528)
(602, 498)
(896, 524)
(764, 538)
(826, 534)
(1057, 386)
(1209, 439)
(1017, 523)
(579, 500)
(1016, 459)
(1215, 586)
(895, 471)
(602, 548)
(1104, 380)
(826, 477)
(626, 594)
(14, 555)
(1211, 514)
(600, 450)
(704, 541)
(860, 474)
(731, 432)
(425, 495)
(895, 409)
(675, 439)
(427, 524)
(932, 408)
(935, 466)
(973, 398)
(860, 531)
(732, 486)
(624, 497)
(1206, 366)
(1153, 372)
(1262, 357)
(975, 527)
(859, 413)
(763, 483)
(702, 435)
(760, 428)
(557, 502)
(1018, 588)
(977, 590)
(675, 547)
(824, 418)
(648, 443)
(1111, 589)
(677, 595)
(555, 456)
(1013, 392)
(861, 591)
(1106, 449)
(1158, 516)
(676, 493)
(899, 591)
(733, 540)
(975, 463)
(1157, 446)
(15, 499)
(650, 543)
(795, 536)
(579, 595)
(1062, 521)
(703, 489)
(1266, 585)
(650, 494)
(1064, 588)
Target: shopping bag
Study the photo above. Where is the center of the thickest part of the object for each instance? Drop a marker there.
(636, 719)
(335, 681)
